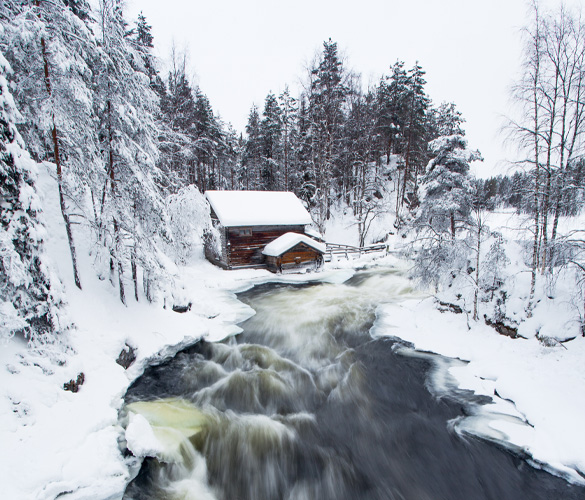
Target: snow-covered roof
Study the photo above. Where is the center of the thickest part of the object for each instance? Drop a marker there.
(313, 233)
(258, 208)
(290, 240)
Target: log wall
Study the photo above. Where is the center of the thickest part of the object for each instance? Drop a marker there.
(246, 249)
(296, 256)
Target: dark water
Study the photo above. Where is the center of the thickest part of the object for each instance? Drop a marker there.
(307, 406)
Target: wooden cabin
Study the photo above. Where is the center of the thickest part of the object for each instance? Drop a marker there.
(293, 250)
(248, 221)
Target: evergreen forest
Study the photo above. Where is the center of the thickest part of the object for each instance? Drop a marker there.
(132, 147)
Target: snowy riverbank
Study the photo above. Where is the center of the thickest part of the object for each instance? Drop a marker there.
(538, 392)
(63, 444)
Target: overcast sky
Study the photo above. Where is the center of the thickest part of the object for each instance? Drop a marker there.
(241, 50)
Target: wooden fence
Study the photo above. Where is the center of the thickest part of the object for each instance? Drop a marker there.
(345, 251)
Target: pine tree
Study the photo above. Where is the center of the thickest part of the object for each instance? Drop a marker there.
(208, 142)
(307, 175)
(270, 138)
(414, 136)
(27, 302)
(177, 105)
(392, 96)
(445, 120)
(142, 40)
(143, 32)
(252, 153)
(326, 107)
(288, 106)
(447, 187)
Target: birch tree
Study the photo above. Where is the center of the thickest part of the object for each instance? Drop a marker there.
(551, 125)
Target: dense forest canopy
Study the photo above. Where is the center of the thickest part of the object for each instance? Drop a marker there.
(132, 147)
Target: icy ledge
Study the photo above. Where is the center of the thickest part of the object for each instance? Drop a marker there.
(537, 392)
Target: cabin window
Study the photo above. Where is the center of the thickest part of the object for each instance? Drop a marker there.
(244, 232)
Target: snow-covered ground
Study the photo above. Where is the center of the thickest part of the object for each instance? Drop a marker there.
(537, 381)
(62, 444)
(538, 391)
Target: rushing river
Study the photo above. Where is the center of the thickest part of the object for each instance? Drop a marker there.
(306, 405)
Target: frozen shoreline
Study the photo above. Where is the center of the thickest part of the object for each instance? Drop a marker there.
(65, 444)
(70, 441)
(537, 392)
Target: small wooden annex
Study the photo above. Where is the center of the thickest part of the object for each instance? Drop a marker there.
(248, 221)
(293, 250)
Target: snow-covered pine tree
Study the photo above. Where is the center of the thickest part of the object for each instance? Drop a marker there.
(132, 215)
(143, 32)
(28, 302)
(53, 53)
(415, 138)
(142, 40)
(177, 117)
(230, 154)
(270, 138)
(445, 120)
(306, 167)
(252, 153)
(447, 188)
(288, 106)
(447, 194)
(391, 96)
(209, 139)
(327, 99)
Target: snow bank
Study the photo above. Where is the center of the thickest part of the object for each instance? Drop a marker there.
(545, 384)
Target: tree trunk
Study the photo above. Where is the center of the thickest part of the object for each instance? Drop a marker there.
(286, 158)
(55, 138)
(408, 152)
(134, 271)
(64, 209)
(477, 261)
(120, 265)
(545, 211)
(146, 286)
(535, 104)
(117, 238)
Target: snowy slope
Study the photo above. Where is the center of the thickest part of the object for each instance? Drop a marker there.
(57, 441)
